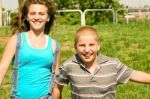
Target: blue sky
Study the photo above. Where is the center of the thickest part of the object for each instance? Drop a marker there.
(13, 4)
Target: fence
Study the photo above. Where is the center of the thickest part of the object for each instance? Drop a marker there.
(6, 18)
(130, 14)
(133, 13)
(83, 14)
(136, 12)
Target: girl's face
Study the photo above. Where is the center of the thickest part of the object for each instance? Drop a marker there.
(37, 17)
(87, 48)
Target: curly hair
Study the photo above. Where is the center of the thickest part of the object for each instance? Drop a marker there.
(19, 23)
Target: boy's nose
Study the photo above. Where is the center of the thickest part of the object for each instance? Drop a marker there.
(87, 49)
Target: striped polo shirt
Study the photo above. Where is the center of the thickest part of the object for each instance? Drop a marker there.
(99, 85)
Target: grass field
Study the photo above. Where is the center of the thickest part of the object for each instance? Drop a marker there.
(127, 42)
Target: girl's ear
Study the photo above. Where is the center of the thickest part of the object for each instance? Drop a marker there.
(48, 19)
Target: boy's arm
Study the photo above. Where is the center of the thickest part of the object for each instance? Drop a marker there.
(141, 77)
(57, 91)
(61, 79)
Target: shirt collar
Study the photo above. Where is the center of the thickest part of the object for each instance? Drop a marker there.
(101, 59)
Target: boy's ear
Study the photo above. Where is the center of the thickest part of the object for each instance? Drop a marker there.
(98, 47)
(75, 46)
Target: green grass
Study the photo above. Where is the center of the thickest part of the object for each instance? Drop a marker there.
(127, 42)
(4, 31)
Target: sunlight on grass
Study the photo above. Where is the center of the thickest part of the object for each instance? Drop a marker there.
(127, 42)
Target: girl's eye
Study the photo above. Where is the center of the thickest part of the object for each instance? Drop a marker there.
(32, 13)
(42, 13)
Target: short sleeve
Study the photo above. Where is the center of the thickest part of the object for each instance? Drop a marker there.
(124, 73)
(62, 77)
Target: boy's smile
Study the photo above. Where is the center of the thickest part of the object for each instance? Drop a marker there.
(87, 48)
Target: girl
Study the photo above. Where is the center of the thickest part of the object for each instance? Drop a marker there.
(34, 22)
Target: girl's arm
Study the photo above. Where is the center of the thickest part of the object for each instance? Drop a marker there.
(57, 91)
(141, 77)
(7, 56)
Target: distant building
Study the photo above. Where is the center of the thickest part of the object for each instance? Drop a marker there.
(135, 3)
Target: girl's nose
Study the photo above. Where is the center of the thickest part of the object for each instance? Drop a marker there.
(36, 17)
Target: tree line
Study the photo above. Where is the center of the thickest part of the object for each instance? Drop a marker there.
(91, 17)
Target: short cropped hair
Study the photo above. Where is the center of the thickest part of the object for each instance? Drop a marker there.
(86, 30)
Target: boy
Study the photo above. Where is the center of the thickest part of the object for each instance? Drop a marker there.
(92, 75)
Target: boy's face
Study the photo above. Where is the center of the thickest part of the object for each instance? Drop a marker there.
(87, 48)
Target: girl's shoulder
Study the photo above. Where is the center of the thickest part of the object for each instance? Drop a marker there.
(13, 39)
(54, 43)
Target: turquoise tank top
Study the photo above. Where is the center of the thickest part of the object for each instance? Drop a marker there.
(34, 69)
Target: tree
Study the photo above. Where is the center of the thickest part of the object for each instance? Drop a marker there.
(20, 2)
(3, 9)
(92, 17)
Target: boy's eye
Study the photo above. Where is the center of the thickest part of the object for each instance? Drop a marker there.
(81, 45)
(91, 44)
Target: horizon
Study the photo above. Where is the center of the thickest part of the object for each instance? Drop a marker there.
(13, 4)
